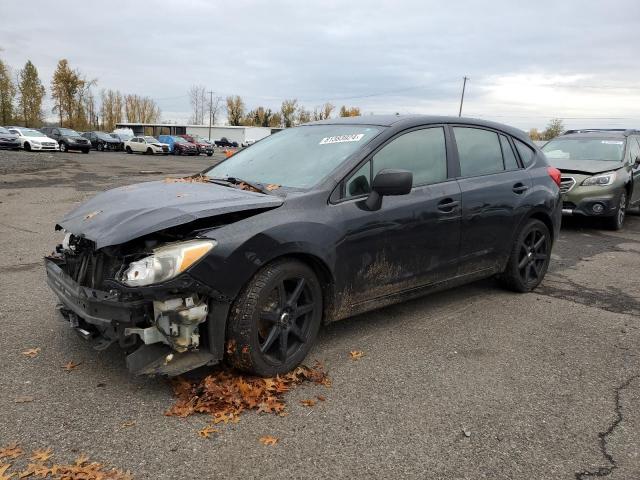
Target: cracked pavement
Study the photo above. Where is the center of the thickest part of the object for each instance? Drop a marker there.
(546, 384)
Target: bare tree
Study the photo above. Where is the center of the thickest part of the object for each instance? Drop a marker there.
(214, 104)
(139, 109)
(323, 112)
(554, 128)
(235, 110)
(288, 110)
(199, 104)
(111, 110)
(304, 115)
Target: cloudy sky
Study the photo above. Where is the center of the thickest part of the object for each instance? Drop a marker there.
(527, 62)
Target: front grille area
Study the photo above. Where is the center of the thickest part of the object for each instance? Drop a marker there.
(566, 184)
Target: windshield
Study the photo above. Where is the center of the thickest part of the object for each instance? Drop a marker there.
(4, 130)
(121, 136)
(179, 140)
(68, 132)
(151, 140)
(28, 132)
(296, 157)
(611, 149)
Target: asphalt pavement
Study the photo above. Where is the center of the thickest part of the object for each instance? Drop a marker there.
(475, 382)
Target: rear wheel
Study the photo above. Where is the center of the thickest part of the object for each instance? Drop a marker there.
(616, 222)
(529, 259)
(86, 150)
(275, 319)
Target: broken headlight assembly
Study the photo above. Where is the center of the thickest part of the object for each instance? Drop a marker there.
(166, 262)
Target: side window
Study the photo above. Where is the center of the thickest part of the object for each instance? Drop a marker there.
(421, 152)
(525, 152)
(56, 132)
(479, 151)
(510, 162)
(360, 182)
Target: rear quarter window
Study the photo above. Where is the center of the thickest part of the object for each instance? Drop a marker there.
(525, 152)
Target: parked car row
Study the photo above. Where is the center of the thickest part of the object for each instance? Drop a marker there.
(65, 139)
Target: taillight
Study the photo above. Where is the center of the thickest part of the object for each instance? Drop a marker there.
(555, 174)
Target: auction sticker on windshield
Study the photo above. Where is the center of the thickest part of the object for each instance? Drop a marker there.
(342, 139)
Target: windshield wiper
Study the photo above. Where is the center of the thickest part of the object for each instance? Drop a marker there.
(239, 181)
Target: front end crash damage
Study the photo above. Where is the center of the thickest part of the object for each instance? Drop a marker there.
(163, 327)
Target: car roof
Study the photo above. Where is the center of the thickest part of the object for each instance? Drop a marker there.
(408, 121)
(599, 133)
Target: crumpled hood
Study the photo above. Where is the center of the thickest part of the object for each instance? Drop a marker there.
(585, 166)
(122, 214)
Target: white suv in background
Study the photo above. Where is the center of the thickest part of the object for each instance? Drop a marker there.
(149, 145)
(31, 139)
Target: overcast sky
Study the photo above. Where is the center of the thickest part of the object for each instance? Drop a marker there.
(527, 62)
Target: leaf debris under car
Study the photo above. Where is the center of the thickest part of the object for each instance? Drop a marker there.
(225, 394)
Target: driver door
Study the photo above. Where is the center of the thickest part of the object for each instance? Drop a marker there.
(412, 240)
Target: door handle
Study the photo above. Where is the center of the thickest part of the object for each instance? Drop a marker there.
(520, 188)
(447, 205)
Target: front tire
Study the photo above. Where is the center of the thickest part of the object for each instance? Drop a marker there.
(63, 147)
(149, 151)
(27, 146)
(529, 258)
(128, 149)
(275, 319)
(616, 222)
(100, 147)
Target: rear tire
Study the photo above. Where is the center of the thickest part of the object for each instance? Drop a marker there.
(529, 258)
(86, 150)
(616, 222)
(275, 319)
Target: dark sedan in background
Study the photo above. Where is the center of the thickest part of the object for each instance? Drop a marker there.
(67, 138)
(9, 140)
(103, 141)
(310, 225)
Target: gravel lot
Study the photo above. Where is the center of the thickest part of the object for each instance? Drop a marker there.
(545, 385)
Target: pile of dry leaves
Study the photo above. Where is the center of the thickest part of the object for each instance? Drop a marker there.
(41, 465)
(225, 394)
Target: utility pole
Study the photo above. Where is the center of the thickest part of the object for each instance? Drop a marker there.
(210, 112)
(464, 84)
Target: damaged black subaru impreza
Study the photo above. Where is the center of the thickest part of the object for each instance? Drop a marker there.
(312, 224)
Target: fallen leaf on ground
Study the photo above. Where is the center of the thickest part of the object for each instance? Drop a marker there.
(226, 393)
(70, 365)
(23, 399)
(11, 451)
(308, 403)
(269, 440)
(31, 352)
(3, 468)
(129, 423)
(42, 455)
(207, 431)
(321, 398)
(356, 354)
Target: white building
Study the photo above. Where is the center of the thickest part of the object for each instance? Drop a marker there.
(232, 133)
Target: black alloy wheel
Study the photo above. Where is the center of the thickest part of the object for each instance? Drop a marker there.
(529, 259)
(63, 147)
(100, 147)
(275, 319)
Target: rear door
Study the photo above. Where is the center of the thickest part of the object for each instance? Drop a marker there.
(634, 152)
(494, 196)
(413, 239)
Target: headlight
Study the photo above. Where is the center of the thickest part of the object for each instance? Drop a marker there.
(601, 179)
(35, 142)
(166, 262)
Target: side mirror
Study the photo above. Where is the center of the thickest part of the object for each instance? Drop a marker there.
(388, 182)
